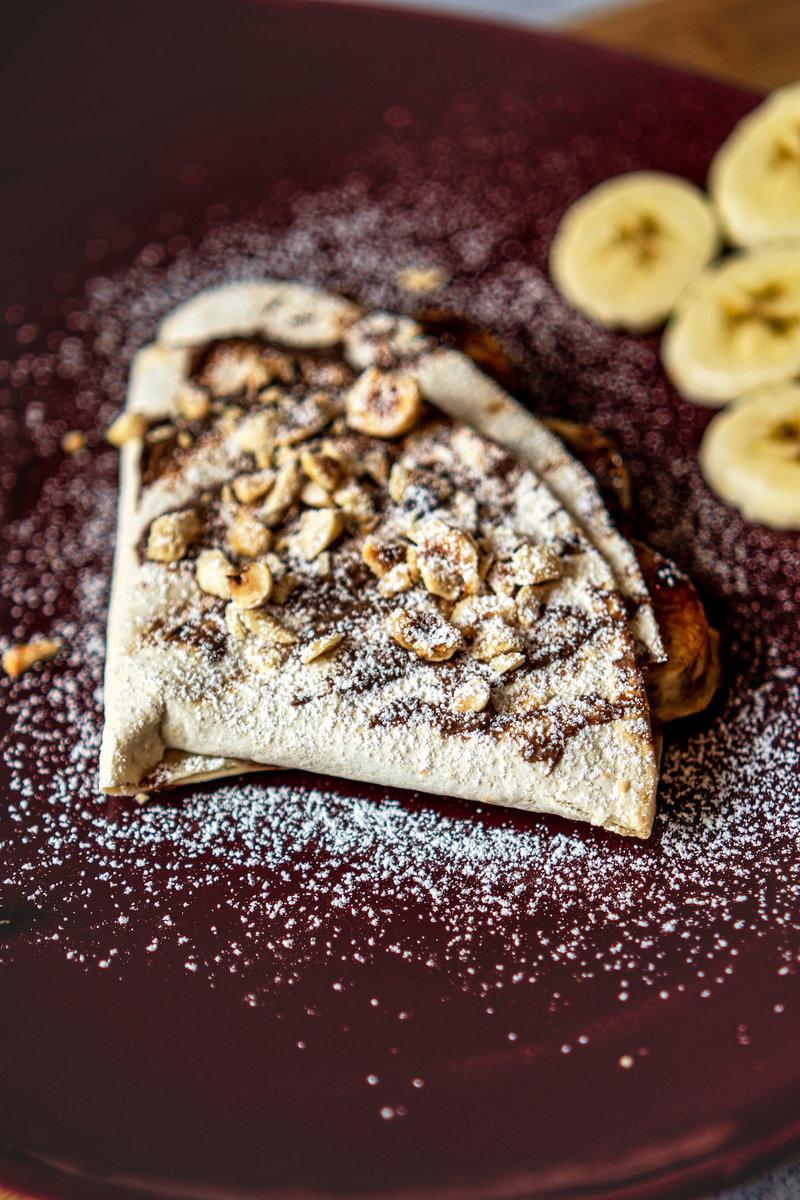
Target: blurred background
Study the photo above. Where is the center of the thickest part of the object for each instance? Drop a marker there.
(755, 43)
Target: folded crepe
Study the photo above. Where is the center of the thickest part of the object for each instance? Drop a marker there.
(342, 547)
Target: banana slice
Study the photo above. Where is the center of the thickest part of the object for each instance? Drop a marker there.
(750, 455)
(755, 174)
(625, 251)
(737, 326)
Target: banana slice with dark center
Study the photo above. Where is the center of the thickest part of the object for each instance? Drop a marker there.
(625, 251)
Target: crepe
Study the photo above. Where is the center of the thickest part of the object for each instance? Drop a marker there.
(343, 548)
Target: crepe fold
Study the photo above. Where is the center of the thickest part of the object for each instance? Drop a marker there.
(342, 547)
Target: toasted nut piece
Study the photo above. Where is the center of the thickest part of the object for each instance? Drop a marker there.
(472, 696)
(213, 573)
(284, 492)
(286, 454)
(160, 433)
(226, 494)
(355, 500)
(248, 488)
(528, 606)
(447, 558)
(247, 536)
(305, 419)
(232, 369)
(73, 441)
(194, 402)
(422, 280)
(536, 564)
(470, 612)
(128, 425)
(427, 634)
(507, 662)
(283, 588)
(412, 562)
(320, 646)
(323, 563)
(256, 434)
(230, 418)
(394, 581)
(376, 465)
(383, 405)
(399, 478)
(321, 469)
(17, 659)
(266, 627)
(185, 439)
(318, 529)
(502, 579)
(315, 496)
(251, 587)
(171, 536)
(493, 637)
(382, 556)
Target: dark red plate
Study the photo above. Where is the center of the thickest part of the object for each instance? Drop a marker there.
(290, 986)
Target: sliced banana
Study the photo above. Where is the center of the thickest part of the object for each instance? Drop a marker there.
(755, 174)
(750, 455)
(625, 251)
(737, 326)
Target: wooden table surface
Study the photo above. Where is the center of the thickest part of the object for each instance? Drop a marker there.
(755, 43)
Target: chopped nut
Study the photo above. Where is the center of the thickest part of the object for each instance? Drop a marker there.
(379, 339)
(247, 535)
(252, 587)
(447, 559)
(320, 646)
(464, 512)
(383, 405)
(502, 579)
(241, 621)
(213, 573)
(231, 369)
(470, 612)
(230, 417)
(226, 494)
(472, 696)
(248, 488)
(283, 588)
(17, 659)
(305, 419)
(73, 441)
(128, 425)
(185, 439)
(399, 478)
(285, 454)
(422, 280)
(528, 606)
(412, 562)
(355, 500)
(494, 637)
(171, 536)
(427, 634)
(382, 556)
(257, 433)
(318, 529)
(507, 662)
(315, 496)
(395, 581)
(193, 402)
(284, 490)
(321, 469)
(280, 366)
(323, 563)
(535, 564)
(376, 465)
(141, 797)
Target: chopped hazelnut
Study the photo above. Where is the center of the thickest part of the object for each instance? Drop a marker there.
(248, 488)
(494, 637)
(315, 496)
(305, 419)
(252, 587)
(241, 621)
(231, 369)
(321, 469)
(381, 556)
(73, 441)
(213, 573)
(318, 529)
(193, 402)
(320, 646)
(504, 663)
(422, 280)
(256, 433)
(472, 610)
(472, 696)
(171, 535)
(283, 493)
(355, 500)
(535, 564)
(502, 579)
(247, 536)
(128, 425)
(395, 581)
(427, 634)
(282, 588)
(17, 659)
(528, 606)
(383, 405)
(447, 559)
